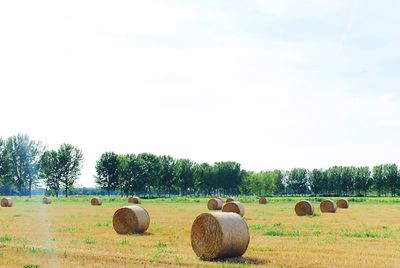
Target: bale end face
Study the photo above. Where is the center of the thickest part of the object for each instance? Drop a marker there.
(214, 204)
(342, 203)
(327, 206)
(262, 200)
(6, 202)
(134, 200)
(95, 201)
(218, 235)
(131, 219)
(303, 208)
(234, 206)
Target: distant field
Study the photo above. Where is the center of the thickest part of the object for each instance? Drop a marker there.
(72, 233)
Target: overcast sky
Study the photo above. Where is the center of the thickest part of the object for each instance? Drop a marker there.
(269, 84)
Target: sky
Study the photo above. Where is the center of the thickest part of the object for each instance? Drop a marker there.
(269, 84)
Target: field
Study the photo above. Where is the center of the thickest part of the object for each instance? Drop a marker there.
(72, 233)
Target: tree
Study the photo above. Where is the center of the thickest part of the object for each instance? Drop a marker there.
(378, 179)
(229, 176)
(6, 179)
(184, 175)
(317, 181)
(362, 180)
(151, 171)
(70, 160)
(392, 178)
(166, 178)
(51, 171)
(298, 181)
(131, 170)
(25, 155)
(280, 183)
(107, 170)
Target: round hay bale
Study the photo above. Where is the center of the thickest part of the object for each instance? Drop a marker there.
(230, 199)
(216, 235)
(220, 198)
(303, 208)
(46, 200)
(6, 202)
(95, 201)
(134, 200)
(131, 219)
(234, 206)
(214, 204)
(327, 206)
(262, 200)
(342, 203)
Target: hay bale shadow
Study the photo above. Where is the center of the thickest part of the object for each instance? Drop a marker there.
(243, 260)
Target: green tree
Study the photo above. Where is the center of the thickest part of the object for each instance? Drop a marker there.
(362, 181)
(184, 175)
(25, 155)
(298, 181)
(317, 181)
(378, 178)
(51, 171)
(107, 170)
(229, 176)
(280, 183)
(70, 159)
(131, 170)
(392, 176)
(166, 178)
(6, 179)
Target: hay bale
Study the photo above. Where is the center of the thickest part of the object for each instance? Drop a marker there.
(220, 198)
(234, 206)
(327, 206)
(6, 202)
(46, 200)
(214, 204)
(342, 203)
(95, 201)
(262, 200)
(134, 200)
(303, 208)
(131, 219)
(230, 199)
(216, 235)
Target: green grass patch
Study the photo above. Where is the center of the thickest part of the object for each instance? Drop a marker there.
(89, 241)
(5, 238)
(282, 233)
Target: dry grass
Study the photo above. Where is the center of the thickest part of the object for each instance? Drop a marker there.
(75, 234)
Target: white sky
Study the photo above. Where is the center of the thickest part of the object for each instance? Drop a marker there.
(270, 84)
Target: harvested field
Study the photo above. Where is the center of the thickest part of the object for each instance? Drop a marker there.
(69, 233)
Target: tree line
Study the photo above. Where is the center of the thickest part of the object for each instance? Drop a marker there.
(26, 164)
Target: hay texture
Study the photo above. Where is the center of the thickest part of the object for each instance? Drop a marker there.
(220, 198)
(262, 200)
(214, 204)
(328, 206)
(342, 203)
(134, 200)
(6, 202)
(46, 200)
(303, 208)
(130, 220)
(95, 201)
(234, 206)
(230, 199)
(217, 235)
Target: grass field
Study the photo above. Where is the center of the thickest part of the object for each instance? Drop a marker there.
(72, 233)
